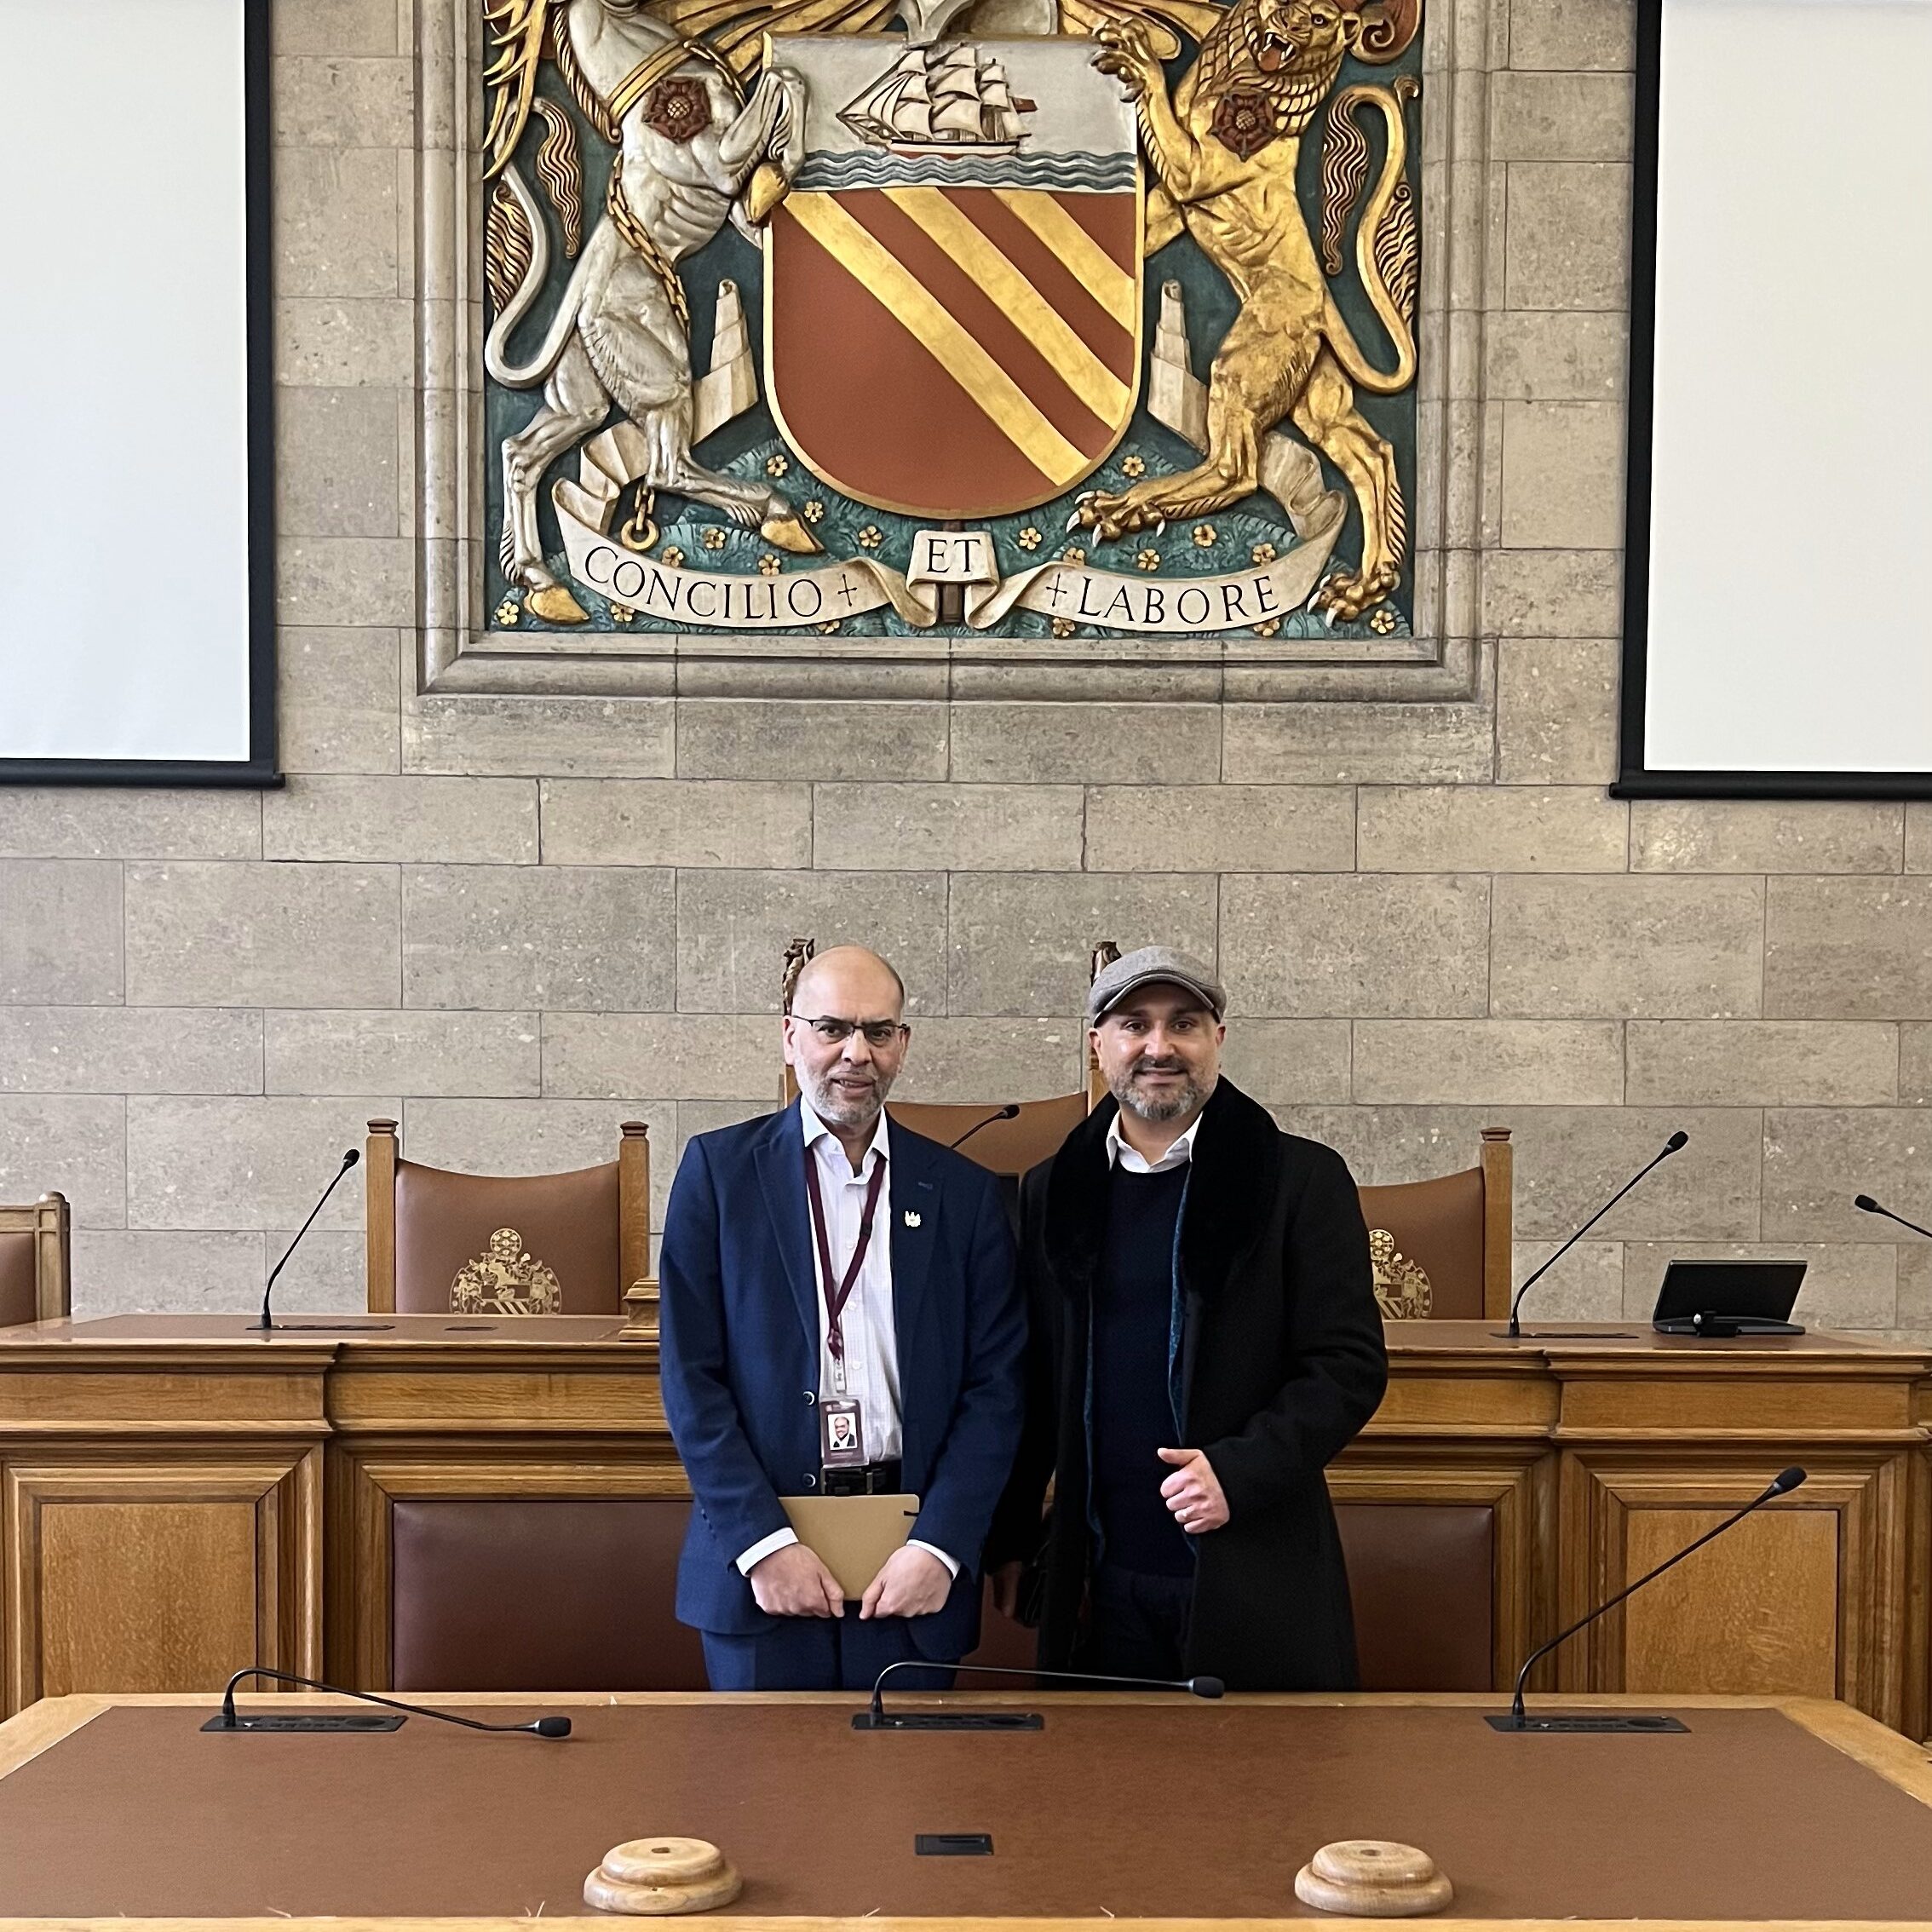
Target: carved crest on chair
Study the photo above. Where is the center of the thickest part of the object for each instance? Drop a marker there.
(1401, 1286)
(506, 1280)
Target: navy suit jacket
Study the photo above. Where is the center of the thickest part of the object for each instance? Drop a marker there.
(739, 1324)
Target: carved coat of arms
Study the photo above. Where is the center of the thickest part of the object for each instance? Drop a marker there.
(1008, 317)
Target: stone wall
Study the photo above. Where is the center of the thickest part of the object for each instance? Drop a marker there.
(520, 920)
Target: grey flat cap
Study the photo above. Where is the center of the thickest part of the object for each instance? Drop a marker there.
(1150, 964)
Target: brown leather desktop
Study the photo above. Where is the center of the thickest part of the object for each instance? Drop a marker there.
(1118, 1808)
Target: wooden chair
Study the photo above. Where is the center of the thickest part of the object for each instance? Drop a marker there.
(36, 1261)
(443, 1242)
(1442, 1248)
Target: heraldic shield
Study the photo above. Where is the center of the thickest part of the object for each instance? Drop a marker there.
(953, 287)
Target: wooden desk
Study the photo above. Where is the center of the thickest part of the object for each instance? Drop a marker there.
(1168, 1812)
(179, 1497)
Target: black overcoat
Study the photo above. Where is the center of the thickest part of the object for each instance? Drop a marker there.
(1282, 1362)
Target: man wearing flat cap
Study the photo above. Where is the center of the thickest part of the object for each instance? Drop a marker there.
(1205, 1340)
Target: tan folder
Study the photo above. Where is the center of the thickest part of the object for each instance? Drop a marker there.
(852, 1535)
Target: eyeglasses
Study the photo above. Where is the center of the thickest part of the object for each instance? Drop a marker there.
(834, 1032)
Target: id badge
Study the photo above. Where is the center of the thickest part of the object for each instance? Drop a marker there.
(842, 1436)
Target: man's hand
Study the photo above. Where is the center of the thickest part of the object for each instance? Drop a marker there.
(914, 1582)
(1193, 1492)
(792, 1582)
(1006, 1589)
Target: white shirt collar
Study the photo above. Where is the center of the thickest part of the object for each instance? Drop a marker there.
(816, 1130)
(1120, 1154)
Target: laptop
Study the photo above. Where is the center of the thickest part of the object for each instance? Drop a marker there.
(1728, 1298)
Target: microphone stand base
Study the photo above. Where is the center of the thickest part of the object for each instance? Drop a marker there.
(1560, 1723)
(950, 1721)
(356, 1722)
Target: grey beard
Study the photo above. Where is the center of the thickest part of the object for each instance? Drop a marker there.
(1190, 1100)
(836, 1111)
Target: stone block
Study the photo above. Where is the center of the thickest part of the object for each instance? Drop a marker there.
(1569, 1161)
(676, 822)
(760, 737)
(59, 932)
(1586, 1285)
(1919, 838)
(1014, 828)
(327, 1274)
(1762, 1063)
(334, 343)
(1817, 1159)
(427, 1054)
(432, 820)
(72, 1144)
(1751, 834)
(128, 822)
(1627, 948)
(1915, 1285)
(733, 927)
(346, 580)
(338, 698)
(146, 1271)
(1544, 594)
(539, 737)
(263, 935)
(344, 100)
(1172, 743)
(1356, 944)
(1267, 828)
(1560, 117)
(130, 1050)
(1914, 1064)
(258, 1162)
(1562, 475)
(1577, 34)
(1491, 828)
(1556, 712)
(1568, 243)
(1490, 1062)
(1847, 1285)
(1020, 944)
(539, 1136)
(337, 467)
(1284, 1062)
(337, 222)
(1556, 355)
(1848, 949)
(512, 937)
(1358, 742)
(991, 1062)
(336, 26)
(673, 1055)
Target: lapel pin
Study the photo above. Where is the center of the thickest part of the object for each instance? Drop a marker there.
(912, 1219)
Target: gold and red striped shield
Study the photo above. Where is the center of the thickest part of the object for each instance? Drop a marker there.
(953, 287)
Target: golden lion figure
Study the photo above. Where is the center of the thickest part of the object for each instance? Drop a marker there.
(1222, 153)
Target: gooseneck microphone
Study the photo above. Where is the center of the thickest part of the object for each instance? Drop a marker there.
(878, 1718)
(1782, 1484)
(1010, 1112)
(1514, 1331)
(267, 1321)
(228, 1721)
(1871, 1206)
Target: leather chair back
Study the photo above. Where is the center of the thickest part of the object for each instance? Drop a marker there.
(35, 1266)
(1441, 1248)
(1006, 1148)
(443, 1242)
(1420, 1579)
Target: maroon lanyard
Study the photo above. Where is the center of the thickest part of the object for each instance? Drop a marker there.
(835, 1307)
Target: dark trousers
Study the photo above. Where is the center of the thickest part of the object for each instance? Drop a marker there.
(820, 1653)
(1137, 1625)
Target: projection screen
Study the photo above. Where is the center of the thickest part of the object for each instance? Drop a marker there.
(1777, 639)
(137, 628)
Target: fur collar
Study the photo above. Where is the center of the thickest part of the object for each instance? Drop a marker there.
(1236, 1160)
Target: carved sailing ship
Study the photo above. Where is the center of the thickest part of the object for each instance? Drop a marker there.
(940, 101)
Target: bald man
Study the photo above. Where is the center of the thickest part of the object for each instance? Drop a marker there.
(839, 1317)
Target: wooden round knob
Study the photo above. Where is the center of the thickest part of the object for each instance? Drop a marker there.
(653, 1876)
(1372, 1878)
